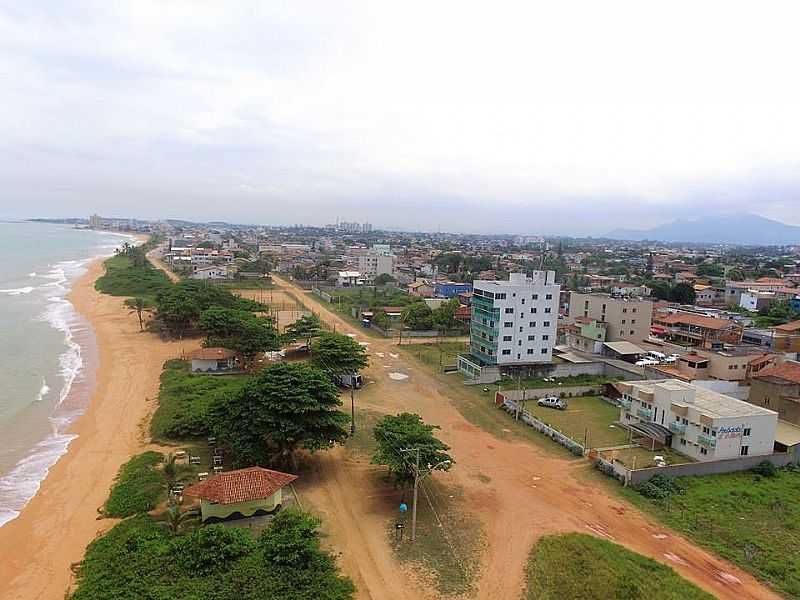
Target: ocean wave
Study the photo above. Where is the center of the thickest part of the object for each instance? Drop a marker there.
(18, 291)
(20, 484)
(43, 391)
(60, 315)
(33, 274)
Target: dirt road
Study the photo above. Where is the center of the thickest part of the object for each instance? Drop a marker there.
(154, 256)
(530, 493)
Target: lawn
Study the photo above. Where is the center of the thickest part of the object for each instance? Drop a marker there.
(644, 457)
(509, 383)
(587, 418)
(184, 399)
(122, 278)
(438, 354)
(751, 520)
(449, 541)
(576, 566)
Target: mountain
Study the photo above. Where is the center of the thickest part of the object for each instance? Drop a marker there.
(744, 229)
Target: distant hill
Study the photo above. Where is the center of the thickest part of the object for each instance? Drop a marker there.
(750, 230)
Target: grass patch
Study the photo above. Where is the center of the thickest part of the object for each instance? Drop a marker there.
(509, 383)
(577, 566)
(438, 354)
(645, 458)
(138, 488)
(751, 520)
(586, 417)
(184, 399)
(363, 441)
(449, 541)
(123, 278)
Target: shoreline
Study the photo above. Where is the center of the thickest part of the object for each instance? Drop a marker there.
(52, 531)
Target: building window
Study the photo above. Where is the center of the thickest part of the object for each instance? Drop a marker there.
(546, 324)
(744, 451)
(632, 332)
(532, 324)
(703, 451)
(535, 297)
(531, 338)
(545, 338)
(621, 333)
(633, 310)
(633, 321)
(548, 297)
(705, 430)
(624, 310)
(623, 321)
(508, 324)
(506, 352)
(683, 442)
(509, 311)
(533, 310)
(746, 431)
(506, 338)
(523, 300)
(544, 350)
(547, 310)
(519, 342)
(500, 297)
(530, 350)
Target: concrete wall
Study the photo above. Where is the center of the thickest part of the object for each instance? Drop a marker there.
(729, 388)
(714, 467)
(221, 511)
(536, 393)
(561, 370)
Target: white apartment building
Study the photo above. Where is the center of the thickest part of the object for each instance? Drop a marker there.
(627, 318)
(698, 422)
(514, 322)
(372, 264)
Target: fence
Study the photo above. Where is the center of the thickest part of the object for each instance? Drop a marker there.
(554, 434)
(323, 295)
(562, 391)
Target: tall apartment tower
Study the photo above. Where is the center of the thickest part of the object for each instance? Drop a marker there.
(514, 322)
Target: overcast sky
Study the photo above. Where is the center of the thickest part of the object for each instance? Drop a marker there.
(553, 117)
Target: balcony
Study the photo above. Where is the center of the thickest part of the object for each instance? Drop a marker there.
(644, 413)
(626, 404)
(677, 427)
(707, 441)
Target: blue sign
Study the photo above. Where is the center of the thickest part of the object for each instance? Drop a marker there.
(403, 507)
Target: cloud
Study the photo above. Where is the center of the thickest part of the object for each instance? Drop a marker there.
(571, 117)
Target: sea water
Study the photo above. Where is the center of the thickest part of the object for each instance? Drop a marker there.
(47, 350)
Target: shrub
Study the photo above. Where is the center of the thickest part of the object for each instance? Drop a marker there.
(138, 487)
(765, 469)
(659, 487)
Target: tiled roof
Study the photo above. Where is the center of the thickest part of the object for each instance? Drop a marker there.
(788, 371)
(788, 327)
(697, 320)
(244, 485)
(211, 354)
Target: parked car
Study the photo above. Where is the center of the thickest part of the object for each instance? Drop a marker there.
(552, 402)
(646, 362)
(350, 380)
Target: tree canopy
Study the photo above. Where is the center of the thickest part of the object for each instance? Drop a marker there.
(418, 316)
(444, 317)
(239, 330)
(304, 328)
(338, 354)
(383, 279)
(396, 434)
(284, 407)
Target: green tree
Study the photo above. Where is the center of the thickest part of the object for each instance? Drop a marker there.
(383, 279)
(178, 521)
(306, 327)
(444, 317)
(735, 274)
(682, 293)
(256, 335)
(222, 322)
(285, 407)
(338, 354)
(138, 306)
(396, 434)
(177, 309)
(381, 319)
(418, 316)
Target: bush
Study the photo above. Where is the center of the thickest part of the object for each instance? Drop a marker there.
(765, 469)
(138, 487)
(659, 487)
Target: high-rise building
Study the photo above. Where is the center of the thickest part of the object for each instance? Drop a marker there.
(627, 318)
(514, 322)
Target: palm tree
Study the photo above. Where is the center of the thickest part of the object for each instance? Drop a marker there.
(138, 306)
(177, 520)
(173, 473)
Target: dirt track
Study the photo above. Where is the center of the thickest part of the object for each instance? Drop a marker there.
(531, 493)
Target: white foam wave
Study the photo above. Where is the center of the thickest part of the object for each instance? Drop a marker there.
(20, 484)
(33, 274)
(61, 315)
(18, 291)
(43, 391)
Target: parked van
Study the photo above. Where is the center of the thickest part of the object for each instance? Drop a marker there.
(352, 380)
(656, 355)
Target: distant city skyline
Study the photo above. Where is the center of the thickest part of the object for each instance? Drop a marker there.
(533, 118)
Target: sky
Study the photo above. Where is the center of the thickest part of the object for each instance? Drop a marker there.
(573, 118)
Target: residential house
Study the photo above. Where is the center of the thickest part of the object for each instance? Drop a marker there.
(586, 334)
(451, 289)
(421, 288)
(211, 272)
(349, 279)
(696, 330)
(212, 360)
(778, 388)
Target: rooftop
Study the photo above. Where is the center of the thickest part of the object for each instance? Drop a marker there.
(786, 372)
(708, 402)
(243, 485)
(793, 327)
(625, 348)
(696, 320)
(211, 354)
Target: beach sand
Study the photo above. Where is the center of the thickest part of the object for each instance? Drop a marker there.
(53, 530)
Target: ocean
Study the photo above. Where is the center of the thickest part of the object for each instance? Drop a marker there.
(47, 351)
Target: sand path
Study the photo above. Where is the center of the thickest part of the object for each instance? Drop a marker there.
(531, 493)
(51, 533)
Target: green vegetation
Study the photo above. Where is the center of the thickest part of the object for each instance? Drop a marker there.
(304, 328)
(418, 316)
(748, 518)
(239, 330)
(138, 488)
(404, 438)
(184, 399)
(285, 407)
(509, 383)
(577, 566)
(586, 417)
(139, 559)
(338, 354)
(449, 541)
(124, 276)
(683, 293)
(438, 354)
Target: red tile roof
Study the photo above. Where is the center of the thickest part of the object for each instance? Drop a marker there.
(244, 485)
(788, 327)
(788, 371)
(697, 320)
(211, 354)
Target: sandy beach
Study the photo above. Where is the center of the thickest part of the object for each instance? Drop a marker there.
(51, 533)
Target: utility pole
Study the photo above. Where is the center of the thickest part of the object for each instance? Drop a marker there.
(414, 508)
(352, 406)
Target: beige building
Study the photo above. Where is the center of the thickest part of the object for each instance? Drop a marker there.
(627, 319)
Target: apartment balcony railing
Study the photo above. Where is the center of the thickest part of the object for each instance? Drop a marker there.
(707, 441)
(644, 413)
(676, 427)
(626, 404)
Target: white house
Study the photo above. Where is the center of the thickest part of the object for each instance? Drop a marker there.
(212, 360)
(211, 272)
(349, 279)
(695, 421)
